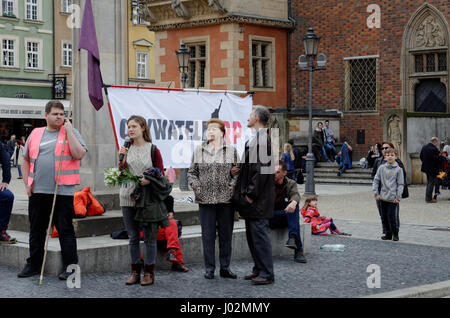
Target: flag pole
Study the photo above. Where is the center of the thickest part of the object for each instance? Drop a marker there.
(69, 116)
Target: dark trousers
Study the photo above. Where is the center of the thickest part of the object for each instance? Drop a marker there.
(258, 240)
(397, 213)
(282, 219)
(39, 209)
(6, 205)
(431, 184)
(389, 217)
(218, 217)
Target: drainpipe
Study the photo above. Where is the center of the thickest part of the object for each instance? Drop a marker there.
(288, 55)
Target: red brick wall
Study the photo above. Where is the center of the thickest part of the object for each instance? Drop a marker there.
(342, 27)
(278, 98)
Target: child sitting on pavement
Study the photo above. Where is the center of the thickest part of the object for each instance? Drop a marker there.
(319, 224)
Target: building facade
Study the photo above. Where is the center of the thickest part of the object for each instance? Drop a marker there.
(63, 51)
(141, 53)
(26, 60)
(387, 72)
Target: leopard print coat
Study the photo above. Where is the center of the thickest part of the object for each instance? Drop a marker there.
(209, 174)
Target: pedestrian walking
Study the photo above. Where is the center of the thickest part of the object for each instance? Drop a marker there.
(210, 177)
(41, 162)
(140, 156)
(17, 157)
(254, 196)
(11, 145)
(431, 161)
(390, 176)
(288, 158)
(6, 196)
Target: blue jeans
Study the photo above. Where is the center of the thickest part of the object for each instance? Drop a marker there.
(281, 219)
(6, 205)
(133, 230)
(330, 146)
(324, 153)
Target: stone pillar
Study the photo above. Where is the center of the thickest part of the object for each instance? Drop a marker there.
(95, 126)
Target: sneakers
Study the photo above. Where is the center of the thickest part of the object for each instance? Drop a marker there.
(6, 239)
(386, 237)
(431, 201)
(299, 257)
(64, 275)
(179, 268)
(291, 243)
(171, 256)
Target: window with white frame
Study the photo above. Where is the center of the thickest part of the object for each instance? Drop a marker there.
(141, 65)
(67, 54)
(65, 6)
(262, 64)
(8, 8)
(197, 65)
(32, 55)
(8, 53)
(32, 9)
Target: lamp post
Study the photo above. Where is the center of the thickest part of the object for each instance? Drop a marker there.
(306, 63)
(183, 64)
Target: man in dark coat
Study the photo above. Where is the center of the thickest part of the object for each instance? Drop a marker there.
(6, 196)
(431, 161)
(254, 196)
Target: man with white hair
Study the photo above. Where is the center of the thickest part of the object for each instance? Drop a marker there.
(431, 161)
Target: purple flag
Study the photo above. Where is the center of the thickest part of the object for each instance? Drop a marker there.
(88, 41)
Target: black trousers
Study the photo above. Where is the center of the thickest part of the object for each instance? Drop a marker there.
(218, 217)
(39, 209)
(397, 213)
(389, 217)
(431, 184)
(258, 240)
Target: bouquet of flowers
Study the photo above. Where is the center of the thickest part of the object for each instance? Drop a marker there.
(115, 176)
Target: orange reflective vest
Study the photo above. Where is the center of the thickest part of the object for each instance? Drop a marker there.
(70, 168)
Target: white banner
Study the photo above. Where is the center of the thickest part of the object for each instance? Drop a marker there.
(176, 119)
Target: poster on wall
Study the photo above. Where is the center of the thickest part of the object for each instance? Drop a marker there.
(177, 118)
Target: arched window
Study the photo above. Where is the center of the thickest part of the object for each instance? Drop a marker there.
(425, 62)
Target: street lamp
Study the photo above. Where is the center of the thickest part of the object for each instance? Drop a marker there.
(183, 64)
(306, 63)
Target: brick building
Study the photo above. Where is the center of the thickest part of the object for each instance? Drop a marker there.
(376, 72)
(234, 45)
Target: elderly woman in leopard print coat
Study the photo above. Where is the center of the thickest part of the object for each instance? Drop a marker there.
(210, 178)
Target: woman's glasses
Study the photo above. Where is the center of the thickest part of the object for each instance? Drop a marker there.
(384, 148)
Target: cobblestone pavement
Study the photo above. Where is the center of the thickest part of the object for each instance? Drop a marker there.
(421, 257)
(327, 274)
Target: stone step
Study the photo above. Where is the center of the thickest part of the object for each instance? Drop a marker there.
(107, 223)
(343, 180)
(350, 171)
(103, 254)
(346, 175)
